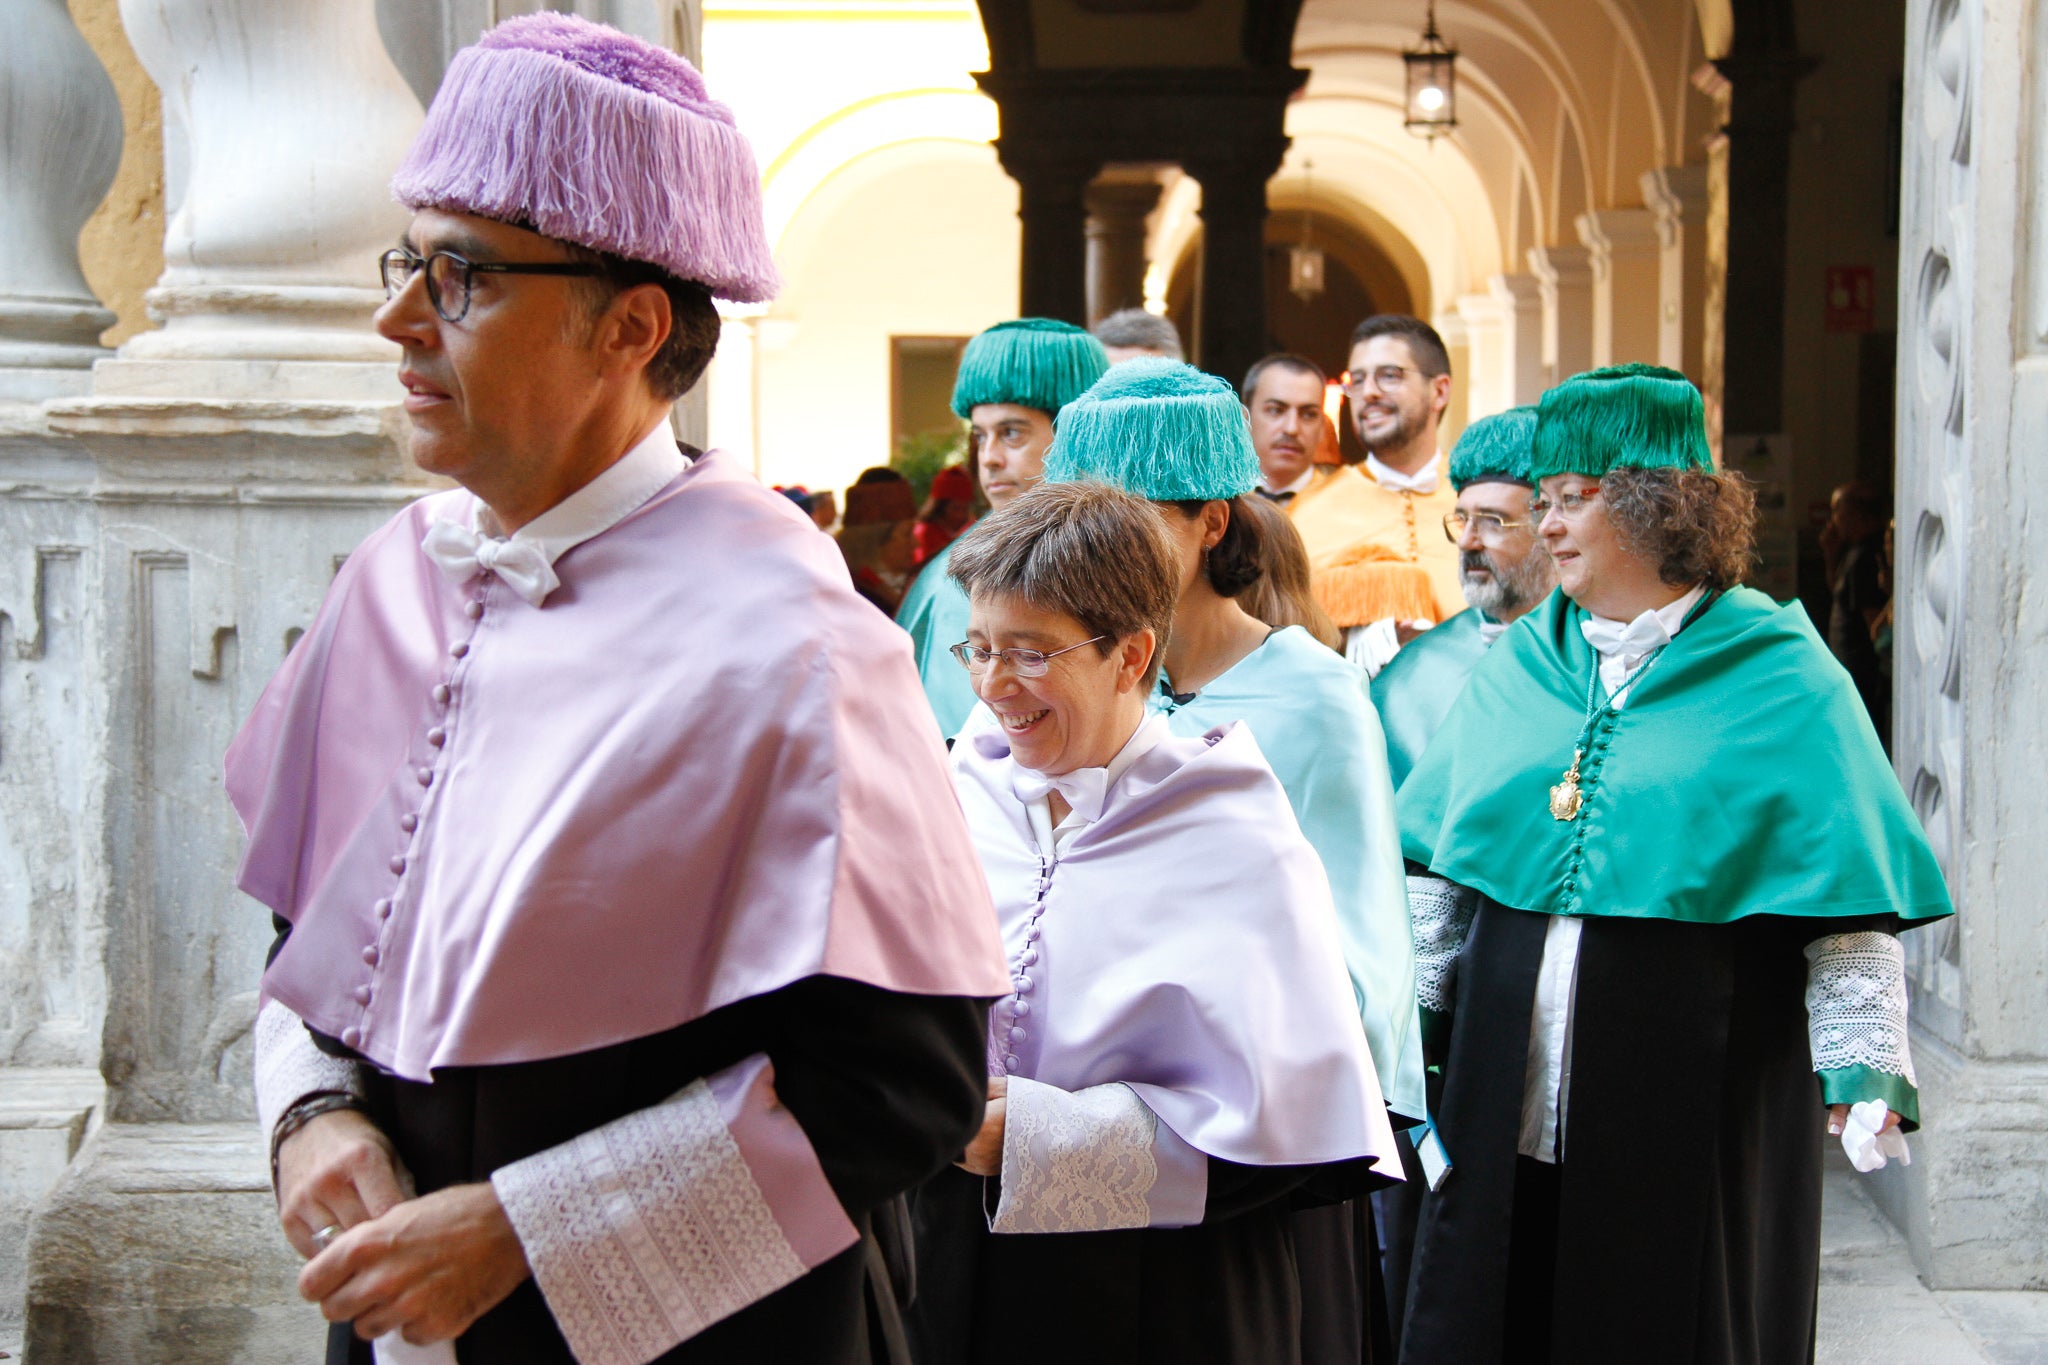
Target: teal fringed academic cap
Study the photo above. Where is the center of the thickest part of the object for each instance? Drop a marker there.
(1160, 429)
(1031, 362)
(1622, 417)
(1495, 450)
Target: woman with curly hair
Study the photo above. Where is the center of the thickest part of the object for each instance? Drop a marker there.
(1661, 910)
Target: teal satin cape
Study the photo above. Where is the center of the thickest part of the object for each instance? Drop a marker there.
(1306, 706)
(1414, 692)
(934, 611)
(1743, 778)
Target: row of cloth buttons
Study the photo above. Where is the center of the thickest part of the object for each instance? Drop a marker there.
(1017, 1009)
(437, 736)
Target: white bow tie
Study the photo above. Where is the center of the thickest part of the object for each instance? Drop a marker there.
(1629, 642)
(462, 554)
(1085, 789)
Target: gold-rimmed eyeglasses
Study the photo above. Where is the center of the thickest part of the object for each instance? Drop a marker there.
(1488, 524)
(1568, 505)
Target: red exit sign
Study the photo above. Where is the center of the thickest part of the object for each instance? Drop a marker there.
(1852, 298)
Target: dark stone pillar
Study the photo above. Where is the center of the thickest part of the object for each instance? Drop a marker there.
(1763, 74)
(1055, 271)
(1116, 244)
(1233, 312)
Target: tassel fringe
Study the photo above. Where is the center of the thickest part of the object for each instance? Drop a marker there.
(1160, 429)
(517, 134)
(1622, 417)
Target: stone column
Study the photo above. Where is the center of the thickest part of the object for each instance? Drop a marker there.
(1054, 258)
(1234, 261)
(60, 141)
(732, 386)
(1763, 72)
(283, 121)
(1970, 734)
(1677, 195)
(1486, 380)
(1564, 278)
(1625, 265)
(1117, 210)
(1521, 335)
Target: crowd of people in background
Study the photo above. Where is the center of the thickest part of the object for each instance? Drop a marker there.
(1269, 911)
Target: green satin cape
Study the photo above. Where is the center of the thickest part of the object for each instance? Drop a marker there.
(1742, 778)
(934, 611)
(1414, 692)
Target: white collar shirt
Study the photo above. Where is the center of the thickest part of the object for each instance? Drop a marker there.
(1422, 482)
(1052, 838)
(621, 490)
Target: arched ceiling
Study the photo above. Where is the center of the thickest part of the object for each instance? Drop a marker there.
(1563, 104)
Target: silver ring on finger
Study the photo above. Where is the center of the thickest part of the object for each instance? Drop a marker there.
(324, 1238)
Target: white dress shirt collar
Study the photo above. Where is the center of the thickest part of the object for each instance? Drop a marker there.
(1299, 486)
(1622, 648)
(601, 504)
(1150, 733)
(1423, 481)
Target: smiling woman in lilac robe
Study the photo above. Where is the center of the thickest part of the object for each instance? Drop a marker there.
(1180, 1059)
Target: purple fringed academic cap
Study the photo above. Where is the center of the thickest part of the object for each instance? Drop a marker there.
(592, 136)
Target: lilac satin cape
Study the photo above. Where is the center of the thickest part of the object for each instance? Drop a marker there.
(703, 769)
(1187, 948)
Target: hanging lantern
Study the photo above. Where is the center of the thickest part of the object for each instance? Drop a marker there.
(1432, 84)
(1305, 262)
(1305, 271)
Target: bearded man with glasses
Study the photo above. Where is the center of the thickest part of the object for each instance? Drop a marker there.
(1385, 512)
(632, 956)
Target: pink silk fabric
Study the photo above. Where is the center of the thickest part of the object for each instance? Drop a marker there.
(701, 771)
(1184, 944)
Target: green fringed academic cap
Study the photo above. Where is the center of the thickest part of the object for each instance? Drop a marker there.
(1159, 429)
(1622, 417)
(1495, 450)
(1031, 362)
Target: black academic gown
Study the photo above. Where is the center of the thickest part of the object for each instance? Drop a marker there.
(887, 1087)
(1683, 1224)
(1224, 1291)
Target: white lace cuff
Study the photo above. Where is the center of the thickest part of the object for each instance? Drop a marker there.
(1856, 1004)
(646, 1231)
(1440, 912)
(1092, 1160)
(290, 1066)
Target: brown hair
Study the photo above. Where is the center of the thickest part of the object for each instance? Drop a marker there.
(1282, 595)
(1696, 526)
(1087, 550)
(1424, 342)
(1235, 562)
(693, 318)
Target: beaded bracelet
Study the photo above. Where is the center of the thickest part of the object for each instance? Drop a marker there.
(303, 1112)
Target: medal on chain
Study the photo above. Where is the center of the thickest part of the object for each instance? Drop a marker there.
(1568, 797)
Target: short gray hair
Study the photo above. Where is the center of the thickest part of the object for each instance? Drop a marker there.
(1134, 329)
(1085, 550)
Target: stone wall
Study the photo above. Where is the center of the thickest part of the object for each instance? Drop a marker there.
(1972, 639)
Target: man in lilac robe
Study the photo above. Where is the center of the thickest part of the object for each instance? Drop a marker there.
(632, 953)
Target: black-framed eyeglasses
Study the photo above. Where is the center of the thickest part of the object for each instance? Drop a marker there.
(1386, 378)
(1567, 504)
(450, 276)
(1488, 524)
(1025, 663)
